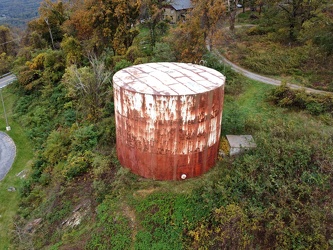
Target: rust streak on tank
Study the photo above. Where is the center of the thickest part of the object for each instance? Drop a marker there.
(168, 118)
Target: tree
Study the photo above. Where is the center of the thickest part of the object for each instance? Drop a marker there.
(113, 23)
(7, 49)
(232, 11)
(319, 30)
(89, 86)
(151, 13)
(190, 39)
(294, 13)
(73, 50)
(187, 41)
(49, 23)
(5, 39)
(210, 15)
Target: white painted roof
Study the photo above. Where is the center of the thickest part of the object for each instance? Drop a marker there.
(168, 78)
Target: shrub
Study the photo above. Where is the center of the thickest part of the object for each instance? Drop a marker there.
(121, 65)
(57, 146)
(77, 165)
(84, 138)
(257, 30)
(315, 104)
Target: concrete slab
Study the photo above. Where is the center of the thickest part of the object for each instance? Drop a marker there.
(240, 143)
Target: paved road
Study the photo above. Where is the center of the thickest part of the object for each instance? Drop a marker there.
(265, 79)
(7, 79)
(7, 145)
(7, 154)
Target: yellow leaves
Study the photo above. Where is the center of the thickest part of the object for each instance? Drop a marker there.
(200, 233)
(226, 226)
(106, 31)
(224, 148)
(37, 63)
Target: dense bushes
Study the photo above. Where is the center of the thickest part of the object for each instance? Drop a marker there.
(285, 61)
(315, 104)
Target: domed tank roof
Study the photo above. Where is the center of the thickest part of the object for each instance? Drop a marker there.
(169, 78)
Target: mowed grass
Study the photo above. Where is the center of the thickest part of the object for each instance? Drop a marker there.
(9, 200)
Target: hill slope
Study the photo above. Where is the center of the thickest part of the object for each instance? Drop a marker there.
(18, 12)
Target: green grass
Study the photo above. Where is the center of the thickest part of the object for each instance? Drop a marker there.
(247, 183)
(9, 200)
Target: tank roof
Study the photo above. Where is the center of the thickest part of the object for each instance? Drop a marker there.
(168, 78)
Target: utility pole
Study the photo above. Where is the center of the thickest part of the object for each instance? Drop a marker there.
(4, 110)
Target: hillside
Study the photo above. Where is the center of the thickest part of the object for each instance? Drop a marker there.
(76, 195)
(18, 13)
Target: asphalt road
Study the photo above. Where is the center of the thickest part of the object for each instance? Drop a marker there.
(7, 145)
(7, 154)
(265, 79)
(7, 79)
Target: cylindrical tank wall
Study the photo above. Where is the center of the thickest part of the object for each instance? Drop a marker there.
(168, 119)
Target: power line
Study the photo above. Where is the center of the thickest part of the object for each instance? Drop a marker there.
(10, 41)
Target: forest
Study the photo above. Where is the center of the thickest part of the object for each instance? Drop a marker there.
(17, 13)
(76, 195)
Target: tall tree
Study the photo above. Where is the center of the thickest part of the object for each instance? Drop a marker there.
(294, 13)
(202, 27)
(232, 12)
(113, 23)
(5, 39)
(8, 48)
(151, 13)
(319, 30)
(187, 41)
(49, 24)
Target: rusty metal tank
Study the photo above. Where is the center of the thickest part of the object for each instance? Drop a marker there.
(168, 119)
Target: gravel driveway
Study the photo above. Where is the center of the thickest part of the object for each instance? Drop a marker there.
(7, 154)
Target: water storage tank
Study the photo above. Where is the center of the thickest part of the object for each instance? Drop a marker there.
(168, 119)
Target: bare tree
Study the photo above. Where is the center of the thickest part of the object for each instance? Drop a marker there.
(89, 85)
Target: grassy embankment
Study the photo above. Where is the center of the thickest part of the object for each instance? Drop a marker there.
(9, 200)
(275, 196)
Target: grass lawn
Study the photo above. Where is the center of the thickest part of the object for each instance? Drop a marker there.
(9, 200)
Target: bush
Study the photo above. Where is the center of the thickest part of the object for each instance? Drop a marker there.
(315, 104)
(84, 138)
(77, 165)
(122, 64)
(257, 30)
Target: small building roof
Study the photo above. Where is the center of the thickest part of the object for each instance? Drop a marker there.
(181, 4)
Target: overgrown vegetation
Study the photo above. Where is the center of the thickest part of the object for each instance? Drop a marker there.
(77, 196)
(315, 104)
(268, 46)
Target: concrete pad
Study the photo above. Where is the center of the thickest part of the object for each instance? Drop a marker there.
(240, 143)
